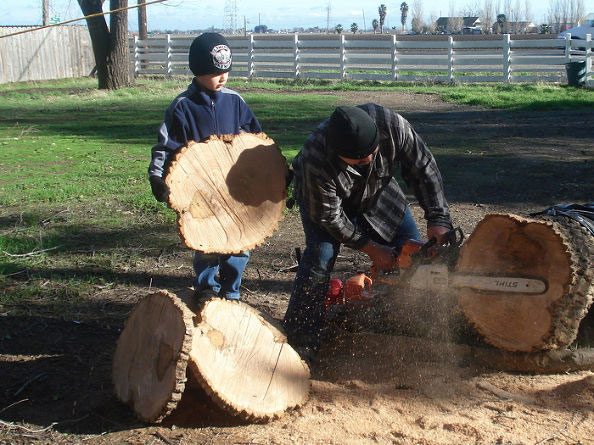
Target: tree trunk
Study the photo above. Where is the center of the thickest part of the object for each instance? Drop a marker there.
(557, 250)
(142, 23)
(112, 58)
(118, 60)
(241, 361)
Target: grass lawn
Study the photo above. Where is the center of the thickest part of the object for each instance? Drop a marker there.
(74, 193)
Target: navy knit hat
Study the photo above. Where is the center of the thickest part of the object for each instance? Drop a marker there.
(352, 133)
(210, 54)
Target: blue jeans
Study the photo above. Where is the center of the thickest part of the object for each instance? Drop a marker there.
(229, 267)
(304, 318)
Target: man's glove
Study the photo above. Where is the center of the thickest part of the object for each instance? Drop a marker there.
(159, 188)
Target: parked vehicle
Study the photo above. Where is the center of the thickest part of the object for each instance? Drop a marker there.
(579, 32)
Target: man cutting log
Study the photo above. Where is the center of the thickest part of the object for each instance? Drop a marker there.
(347, 194)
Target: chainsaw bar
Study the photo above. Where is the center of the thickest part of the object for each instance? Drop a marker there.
(437, 277)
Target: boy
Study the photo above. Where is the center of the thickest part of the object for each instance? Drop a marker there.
(206, 108)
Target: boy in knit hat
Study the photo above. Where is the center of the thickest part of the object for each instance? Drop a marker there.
(206, 108)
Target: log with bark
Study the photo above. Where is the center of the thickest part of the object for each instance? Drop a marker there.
(555, 249)
(229, 192)
(240, 360)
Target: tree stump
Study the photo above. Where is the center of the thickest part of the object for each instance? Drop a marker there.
(556, 249)
(242, 361)
(229, 193)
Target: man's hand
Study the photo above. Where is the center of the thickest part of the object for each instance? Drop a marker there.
(159, 188)
(438, 232)
(383, 257)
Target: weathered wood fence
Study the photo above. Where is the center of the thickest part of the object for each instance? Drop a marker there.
(382, 57)
(51, 53)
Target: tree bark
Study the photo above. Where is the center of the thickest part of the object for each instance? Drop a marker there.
(555, 249)
(110, 47)
(142, 23)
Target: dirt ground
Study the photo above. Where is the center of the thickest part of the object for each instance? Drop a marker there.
(373, 388)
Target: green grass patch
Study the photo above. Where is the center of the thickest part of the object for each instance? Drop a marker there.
(76, 209)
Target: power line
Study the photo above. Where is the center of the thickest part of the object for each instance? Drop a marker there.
(97, 14)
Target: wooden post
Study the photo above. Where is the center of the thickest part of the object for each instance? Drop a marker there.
(250, 66)
(506, 59)
(451, 59)
(394, 59)
(168, 53)
(343, 72)
(296, 56)
(568, 47)
(136, 58)
(588, 59)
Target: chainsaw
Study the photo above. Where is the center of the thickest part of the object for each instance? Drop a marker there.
(427, 266)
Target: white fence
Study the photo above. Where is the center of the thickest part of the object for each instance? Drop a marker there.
(51, 53)
(382, 57)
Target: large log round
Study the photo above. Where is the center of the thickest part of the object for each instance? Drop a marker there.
(149, 365)
(229, 193)
(555, 249)
(244, 363)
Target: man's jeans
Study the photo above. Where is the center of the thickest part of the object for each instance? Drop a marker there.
(304, 318)
(229, 267)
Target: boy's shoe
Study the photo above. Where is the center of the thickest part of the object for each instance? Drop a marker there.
(204, 295)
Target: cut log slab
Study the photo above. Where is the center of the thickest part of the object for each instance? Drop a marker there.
(242, 361)
(245, 364)
(149, 365)
(557, 250)
(229, 193)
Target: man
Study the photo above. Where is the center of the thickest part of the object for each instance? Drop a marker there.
(347, 194)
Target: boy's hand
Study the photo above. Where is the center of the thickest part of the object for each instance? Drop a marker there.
(159, 188)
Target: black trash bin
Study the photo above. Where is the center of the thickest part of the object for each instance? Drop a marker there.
(576, 73)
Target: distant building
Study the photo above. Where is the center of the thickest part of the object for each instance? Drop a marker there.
(455, 25)
(515, 28)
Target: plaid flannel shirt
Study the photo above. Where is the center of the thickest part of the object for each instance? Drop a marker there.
(334, 192)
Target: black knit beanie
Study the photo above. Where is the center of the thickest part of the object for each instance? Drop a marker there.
(352, 133)
(210, 54)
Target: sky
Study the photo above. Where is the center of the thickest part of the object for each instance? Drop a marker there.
(203, 14)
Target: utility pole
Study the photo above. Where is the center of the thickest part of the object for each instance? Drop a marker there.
(45, 11)
(142, 24)
(328, 18)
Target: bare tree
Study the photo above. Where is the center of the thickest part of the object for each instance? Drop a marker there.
(487, 16)
(382, 10)
(417, 24)
(403, 14)
(110, 45)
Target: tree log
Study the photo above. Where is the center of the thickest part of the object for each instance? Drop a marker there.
(244, 364)
(149, 365)
(229, 193)
(556, 249)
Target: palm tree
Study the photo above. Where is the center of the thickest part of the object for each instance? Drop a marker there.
(338, 28)
(382, 10)
(375, 25)
(403, 14)
(354, 28)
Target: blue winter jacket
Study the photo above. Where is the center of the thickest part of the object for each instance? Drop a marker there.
(197, 114)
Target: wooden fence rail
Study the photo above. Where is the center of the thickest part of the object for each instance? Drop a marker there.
(52, 53)
(383, 58)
